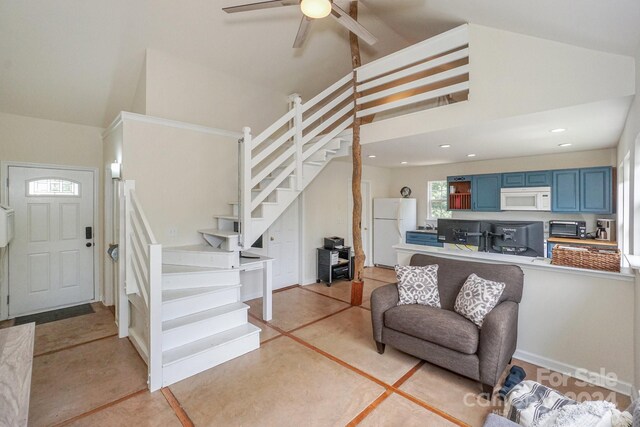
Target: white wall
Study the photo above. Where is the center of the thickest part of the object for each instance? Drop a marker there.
(513, 74)
(189, 92)
(31, 140)
(326, 207)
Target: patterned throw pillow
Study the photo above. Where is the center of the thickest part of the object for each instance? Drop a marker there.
(477, 298)
(418, 285)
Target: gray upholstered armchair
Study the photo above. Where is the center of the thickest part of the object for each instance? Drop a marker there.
(443, 337)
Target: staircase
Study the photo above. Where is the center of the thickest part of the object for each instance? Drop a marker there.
(183, 310)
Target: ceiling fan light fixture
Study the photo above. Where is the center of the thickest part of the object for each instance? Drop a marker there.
(316, 9)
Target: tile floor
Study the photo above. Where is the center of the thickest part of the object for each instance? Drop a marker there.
(317, 365)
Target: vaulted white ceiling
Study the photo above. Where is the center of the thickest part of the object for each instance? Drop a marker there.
(78, 61)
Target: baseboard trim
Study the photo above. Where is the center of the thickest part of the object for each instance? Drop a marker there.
(595, 378)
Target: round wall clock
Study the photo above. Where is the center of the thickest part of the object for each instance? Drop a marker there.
(405, 192)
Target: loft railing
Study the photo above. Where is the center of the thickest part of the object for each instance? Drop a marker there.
(141, 289)
(414, 77)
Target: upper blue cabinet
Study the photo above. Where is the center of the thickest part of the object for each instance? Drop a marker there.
(595, 190)
(565, 190)
(526, 179)
(485, 192)
(588, 190)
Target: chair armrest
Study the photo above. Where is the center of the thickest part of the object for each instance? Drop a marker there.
(382, 299)
(498, 338)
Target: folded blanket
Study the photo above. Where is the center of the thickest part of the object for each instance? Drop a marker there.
(531, 404)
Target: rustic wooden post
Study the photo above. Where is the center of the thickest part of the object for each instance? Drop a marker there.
(357, 284)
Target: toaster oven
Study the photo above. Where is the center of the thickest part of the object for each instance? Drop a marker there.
(568, 229)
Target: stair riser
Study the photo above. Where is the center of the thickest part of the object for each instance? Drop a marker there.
(186, 306)
(202, 329)
(201, 259)
(200, 280)
(208, 359)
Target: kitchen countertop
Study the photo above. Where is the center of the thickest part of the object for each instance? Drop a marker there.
(425, 231)
(625, 274)
(582, 241)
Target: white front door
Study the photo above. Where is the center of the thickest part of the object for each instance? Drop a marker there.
(282, 246)
(51, 259)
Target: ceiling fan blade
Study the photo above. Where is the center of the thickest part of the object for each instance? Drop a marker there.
(261, 5)
(352, 25)
(303, 30)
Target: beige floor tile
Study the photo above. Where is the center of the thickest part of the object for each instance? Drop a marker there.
(569, 386)
(281, 384)
(456, 395)
(75, 330)
(384, 274)
(146, 409)
(296, 307)
(70, 382)
(395, 410)
(348, 336)
(342, 290)
(267, 332)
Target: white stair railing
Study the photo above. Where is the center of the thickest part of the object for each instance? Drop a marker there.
(141, 289)
(435, 68)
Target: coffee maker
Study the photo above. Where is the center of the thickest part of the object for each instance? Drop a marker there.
(606, 230)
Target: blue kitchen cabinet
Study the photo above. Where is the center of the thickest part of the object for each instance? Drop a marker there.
(485, 192)
(538, 179)
(513, 179)
(421, 238)
(565, 190)
(596, 190)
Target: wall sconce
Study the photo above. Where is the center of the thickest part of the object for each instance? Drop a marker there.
(116, 171)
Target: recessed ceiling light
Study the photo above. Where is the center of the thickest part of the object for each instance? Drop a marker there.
(372, 156)
(558, 130)
(566, 144)
(471, 155)
(403, 163)
(445, 145)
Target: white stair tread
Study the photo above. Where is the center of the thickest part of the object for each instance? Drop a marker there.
(181, 269)
(219, 233)
(195, 248)
(202, 315)
(226, 216)
(169, 295)
(189, 350)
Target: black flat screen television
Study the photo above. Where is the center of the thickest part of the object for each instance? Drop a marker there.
(517, 238)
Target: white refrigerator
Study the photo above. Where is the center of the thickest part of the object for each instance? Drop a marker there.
(392, 218)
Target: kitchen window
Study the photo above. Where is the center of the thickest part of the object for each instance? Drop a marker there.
(437, 200)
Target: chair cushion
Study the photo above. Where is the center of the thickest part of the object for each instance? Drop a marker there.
(442, 327)
(418, 285)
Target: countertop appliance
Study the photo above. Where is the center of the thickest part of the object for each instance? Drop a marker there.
(525, 199)
(392, 218)
(568, 229)
(606, 230)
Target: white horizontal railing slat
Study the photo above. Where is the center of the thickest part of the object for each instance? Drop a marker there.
(272, 166)
(308, 137)
(271, 187)
(459, 87)
(425, 66)
(441, 43)
(327, 138)
(271, 129)
(325, 93)
(331, 105)
(272, 147)
(456, 72)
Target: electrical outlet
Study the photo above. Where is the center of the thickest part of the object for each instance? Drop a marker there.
(172, 232)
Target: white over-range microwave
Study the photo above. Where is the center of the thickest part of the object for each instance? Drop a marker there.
(525, 199)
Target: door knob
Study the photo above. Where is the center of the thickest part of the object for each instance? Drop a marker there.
(89, 244)
(272, 239)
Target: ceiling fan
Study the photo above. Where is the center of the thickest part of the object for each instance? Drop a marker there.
(311, 9)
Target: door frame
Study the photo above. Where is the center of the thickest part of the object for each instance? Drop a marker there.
(97, 268)
(368, 261)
